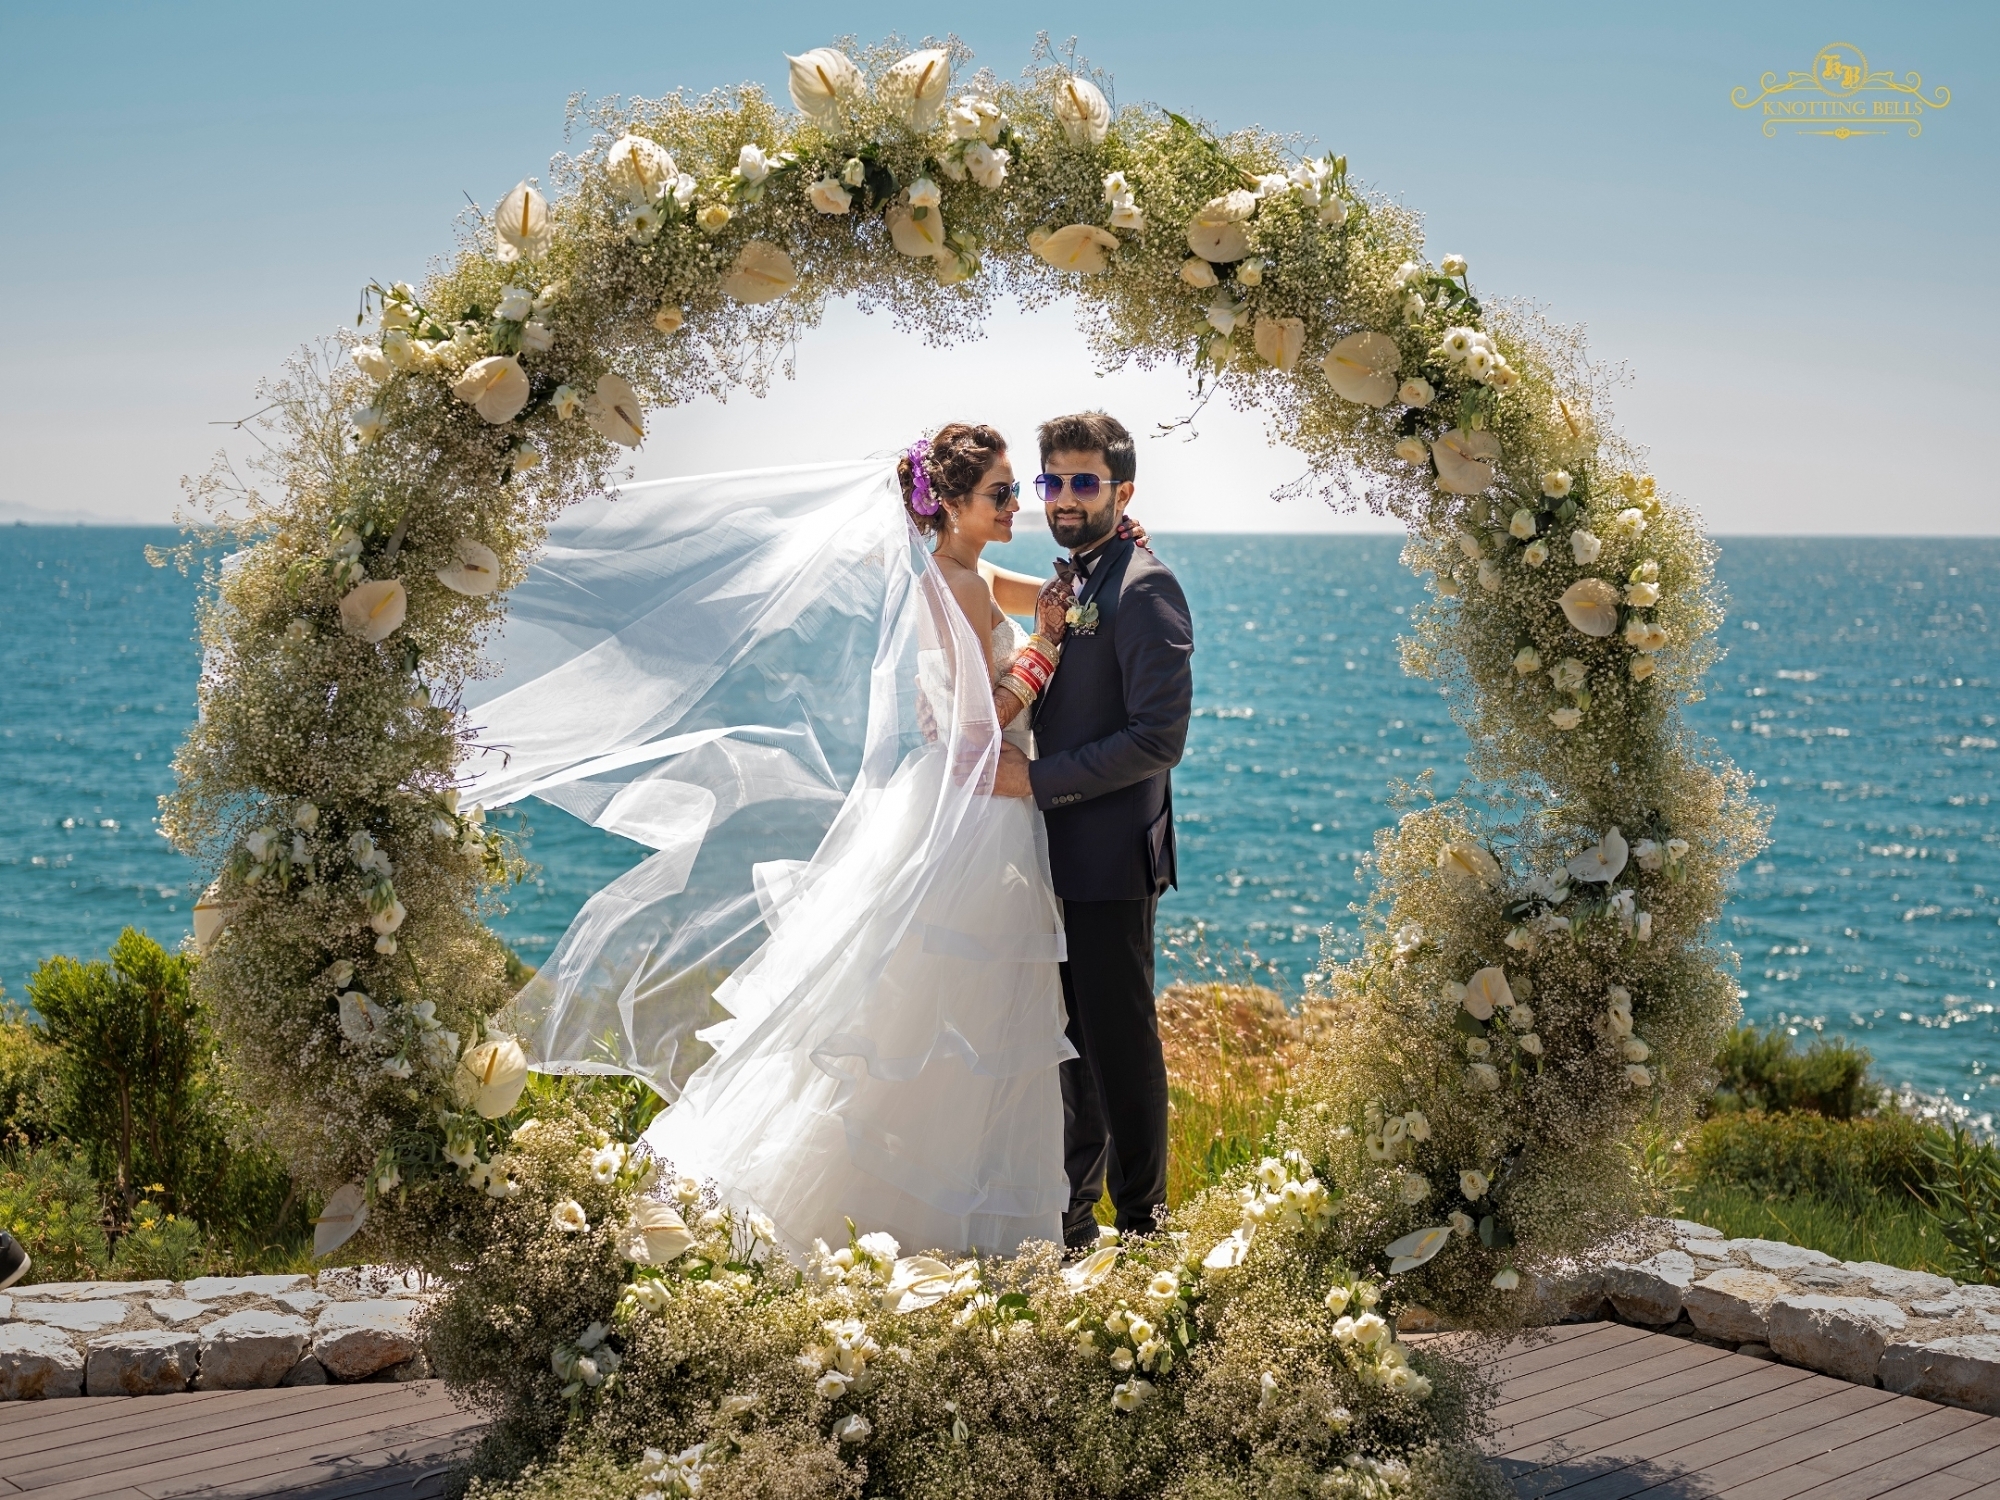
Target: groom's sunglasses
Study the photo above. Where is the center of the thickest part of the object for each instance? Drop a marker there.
(1083, 486)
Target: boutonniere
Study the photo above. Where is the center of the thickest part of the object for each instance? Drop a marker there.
(1081, 618)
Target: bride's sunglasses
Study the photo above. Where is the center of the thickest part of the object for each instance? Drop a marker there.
(1083, 486)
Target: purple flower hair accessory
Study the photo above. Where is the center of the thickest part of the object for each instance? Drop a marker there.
(922, 501)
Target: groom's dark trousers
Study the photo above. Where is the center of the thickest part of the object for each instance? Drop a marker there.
(1107, 732)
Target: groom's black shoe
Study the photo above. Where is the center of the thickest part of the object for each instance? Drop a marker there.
(14, 1260)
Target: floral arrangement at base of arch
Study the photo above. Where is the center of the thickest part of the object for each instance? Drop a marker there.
(1536, 992)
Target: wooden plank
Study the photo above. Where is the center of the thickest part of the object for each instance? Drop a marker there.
(1603, 1339)
(1613, 1370)
(1866, 1421)
(1876, 1474)
(1573, 1407)
(1830, 1404)
(422, 1445)
(128, 1420)
(1814, 1471)
(1938, 1486)
(284, 1433)
(1587, 1365)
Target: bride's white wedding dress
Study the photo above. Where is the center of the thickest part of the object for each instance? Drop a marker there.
(763, 677)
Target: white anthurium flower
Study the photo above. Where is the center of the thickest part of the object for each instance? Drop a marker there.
(340, 1218)
(1473, 1184)
(374, 611)
(988, 166)
(211, 915)
(1080, 248)
(1216, 233)
(1591, 607)
(822, 81)
(1467, 865)
(1487, 991)
(640, 170)
(1417, 392)
(915, 87)
(1092, 1270)
(1417, 1248)
(1198, 273)
(1083, 111)
(568, 1217)
(917, 1282)
(1585, 548)
(491, 1076)
(361, 1019)
(521, 225)
(830, 196)
(752, 165)
(614, 411)
(1527, 661)
(1362, 368)
(1604, 862)
(1557, 483)
(1229, 1252)
(496, 387)
(476, 572)
(1280, 340)
(1465, 460)
(372, 362)
(918, 237)
(762, 272)
(659, 1234)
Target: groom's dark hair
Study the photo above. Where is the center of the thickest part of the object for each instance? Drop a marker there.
(1091, 432)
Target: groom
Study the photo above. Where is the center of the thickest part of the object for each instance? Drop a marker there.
(1108, 730)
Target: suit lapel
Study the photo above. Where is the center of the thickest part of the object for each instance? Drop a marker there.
(1107, 563)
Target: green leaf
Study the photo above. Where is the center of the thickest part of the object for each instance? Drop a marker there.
(1468, 1023)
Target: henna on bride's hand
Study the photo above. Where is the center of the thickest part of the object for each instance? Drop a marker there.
(1052, 608)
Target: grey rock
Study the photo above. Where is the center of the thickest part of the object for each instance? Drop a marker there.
(355, 1340)
(304, 1303)
(1732, 1304)
(249, 1350)
(1976, 1294)
(177, 1309)
(1774, 1255)
(57, 1291)
(1900, 1285)
(307, 1371)
(1842, 1336)
(1565, 1293)
(1962, 1371)
(410, 1369)
(6, 1307)
(1650, 1291)
(76, 1317)
(211, 1288)
(38, 1361)
(1989, 1321)
(140, 1363)
(1755, 1351)
(1827, 1279)
(1687, 1229)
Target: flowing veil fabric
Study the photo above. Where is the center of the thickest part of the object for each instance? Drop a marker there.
(763, 677)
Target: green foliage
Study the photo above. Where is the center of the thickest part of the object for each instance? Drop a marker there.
(159, 1246)
(1894, 1231)
(29, 1096)
(1765, 1071)
(1851, 1163)
(1964, 1194)
(49, 1202)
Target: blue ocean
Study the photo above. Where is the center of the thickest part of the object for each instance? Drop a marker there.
(1861, 686)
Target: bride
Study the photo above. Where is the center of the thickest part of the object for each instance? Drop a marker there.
(798, 691)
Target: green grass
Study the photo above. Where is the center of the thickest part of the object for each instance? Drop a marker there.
(1894, 1233)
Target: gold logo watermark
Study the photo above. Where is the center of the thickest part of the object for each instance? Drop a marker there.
(1842, 96)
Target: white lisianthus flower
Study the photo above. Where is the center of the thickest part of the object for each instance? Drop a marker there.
(1394, 1130)
(752, 165)
(1333, 211)
(1416, 391)
(852, 1428)
(515, 303)
(1478, 1046)
(1413, 450)
(1163, 1286)
(1566, 718)
(1418, 1124)
(1378, 1149)
(372, 362)
(1482, 1078)
(714, 216)
(1198, 273)
(1569, 675)
(1535, 553)
(1642, 927)
(1522, 525)
(1646, 636)
(389, 919)
(988, 166)
(1128, 216)
(1130, 1395)
(1527, 661)
(829, 196)
(1630, 522)
(1531, 1044)
(1642, 595)
(1633, 1050)
(1337, 1299)
(1677, 850)
(368, 424)
(669, 319)
(568, 400)
(1648, 855)
(1585, 547)
(1638, 1075)
(1251, 272)
(1556, 484)
(1461, 1222)
(569, 1217)
(1452, 265)
(1490, 577)
(925, 194)
(1507, 1280)
(831, 1385)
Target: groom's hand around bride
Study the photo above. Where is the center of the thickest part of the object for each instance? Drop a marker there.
(1010, 776)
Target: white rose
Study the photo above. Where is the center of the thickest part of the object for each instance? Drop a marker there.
(1251, 272)
(1527, 661)
(1642, 595)
(853, 1428)
(515, 304)
(1650, 856)
(830, 197)
(1556, 484)
(372, 362)
(751, 164)
(1531, 1044)
(1566, 718)
(1535, 553)
(1630, 521)
(1634, 1050)
(1585, 547)
(1452, 265)
(1416, 391)
(1568, 675)
(1482, 1078)
(1638, 1075)
(1199, 273)
(988, 166)
(1414, 1188)
(537, 337)
(1473, 1184)
(1642, 667)
(1412, 450)
(1522, 525)
(1490, 577)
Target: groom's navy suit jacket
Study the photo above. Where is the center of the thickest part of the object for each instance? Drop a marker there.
(1110, 727)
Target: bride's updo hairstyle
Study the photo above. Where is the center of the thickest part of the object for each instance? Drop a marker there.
(947, 467)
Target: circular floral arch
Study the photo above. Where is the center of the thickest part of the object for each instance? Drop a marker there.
(1534, 997)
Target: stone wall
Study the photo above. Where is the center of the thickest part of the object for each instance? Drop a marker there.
(144, 1338)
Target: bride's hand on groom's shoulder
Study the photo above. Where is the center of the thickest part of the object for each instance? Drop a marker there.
(1010, 776)
(1130, 529)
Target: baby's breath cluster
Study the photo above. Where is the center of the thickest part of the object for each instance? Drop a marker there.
(1535, 989)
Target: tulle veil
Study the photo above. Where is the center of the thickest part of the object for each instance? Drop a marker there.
(733, 670)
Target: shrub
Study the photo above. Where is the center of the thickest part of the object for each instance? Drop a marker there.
(1764, 1071)
(30, 1094)
(1851, 1163)
(1964, 1197)
(159, 1246)
(49, 1202)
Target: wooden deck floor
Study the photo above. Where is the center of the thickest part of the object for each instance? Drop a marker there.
(1593, 1411)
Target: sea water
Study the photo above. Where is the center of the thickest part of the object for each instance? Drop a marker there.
(1861, 687)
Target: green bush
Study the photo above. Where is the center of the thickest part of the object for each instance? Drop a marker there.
(1964, 1196)
(159, 1246)
(1851, 1163)
(30, 1097)
(49, 1201)
(1764, 1071)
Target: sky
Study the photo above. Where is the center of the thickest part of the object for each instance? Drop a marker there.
(1806, 323)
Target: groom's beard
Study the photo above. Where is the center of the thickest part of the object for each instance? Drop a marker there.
(1079, 529)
